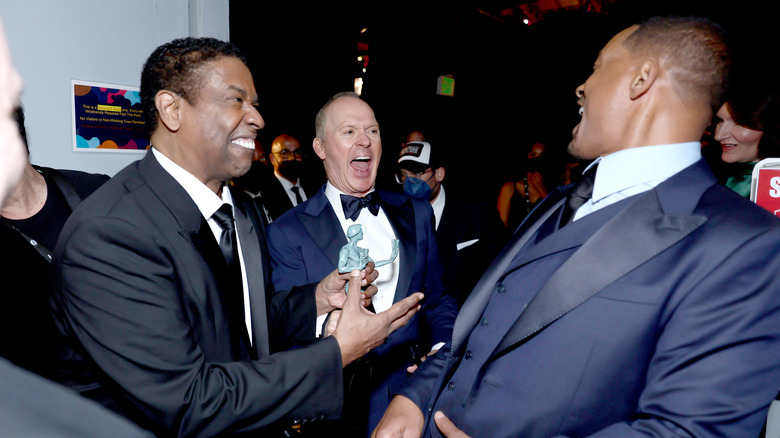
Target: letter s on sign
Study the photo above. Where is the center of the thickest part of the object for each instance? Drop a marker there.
(775, 184)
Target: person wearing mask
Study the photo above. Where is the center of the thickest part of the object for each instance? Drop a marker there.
(289, 187)
(469, 232)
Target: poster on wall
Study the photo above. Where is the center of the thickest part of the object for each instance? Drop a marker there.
(107, 118)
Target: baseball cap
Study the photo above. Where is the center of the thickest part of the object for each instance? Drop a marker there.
(417, 156)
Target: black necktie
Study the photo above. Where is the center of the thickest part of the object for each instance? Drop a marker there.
(234, 297)
(583, 191)
(352, 205)
(297, 191)
(227, 240)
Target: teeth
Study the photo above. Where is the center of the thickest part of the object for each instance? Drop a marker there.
(357, 159)
(582, 110)
(245, 143)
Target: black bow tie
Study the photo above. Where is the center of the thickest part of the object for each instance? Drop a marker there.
(353, 204)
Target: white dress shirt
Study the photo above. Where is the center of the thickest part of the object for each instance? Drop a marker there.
(208, 203)
(288, 188)
(438, 205)
(635, 170)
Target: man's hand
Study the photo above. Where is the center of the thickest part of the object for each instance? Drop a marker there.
(412, 368)
(331, 294)
(402, 419)
(359, 330)
(447, 427)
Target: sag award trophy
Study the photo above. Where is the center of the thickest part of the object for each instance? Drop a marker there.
(352, 256)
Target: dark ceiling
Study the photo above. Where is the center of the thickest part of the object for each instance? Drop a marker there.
(513, 83)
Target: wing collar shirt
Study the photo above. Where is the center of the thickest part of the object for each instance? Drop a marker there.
(208, 203)
(632, 171)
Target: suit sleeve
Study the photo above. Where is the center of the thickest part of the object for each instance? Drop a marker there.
(120, 296)
(439, 306)
(287, 263)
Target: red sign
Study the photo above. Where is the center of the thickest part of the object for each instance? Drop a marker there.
(768, 189)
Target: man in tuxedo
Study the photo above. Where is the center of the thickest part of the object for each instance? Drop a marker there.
(655, 310)
(164, 279)
(305, 243)
(469, 231)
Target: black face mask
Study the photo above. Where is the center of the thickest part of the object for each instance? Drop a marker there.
(291, 169)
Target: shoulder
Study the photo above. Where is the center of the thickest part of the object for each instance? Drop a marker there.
(83, 182)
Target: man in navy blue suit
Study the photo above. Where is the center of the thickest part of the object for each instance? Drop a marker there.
(651, 310)
(305, 241)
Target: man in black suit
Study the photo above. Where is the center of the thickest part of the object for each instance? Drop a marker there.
(469, 232)
(287, 187)
(164, 279)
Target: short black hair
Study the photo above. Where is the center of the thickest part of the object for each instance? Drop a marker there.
(174, 66)
(696, 50)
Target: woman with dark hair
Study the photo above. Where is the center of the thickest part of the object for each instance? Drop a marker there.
(748, 130)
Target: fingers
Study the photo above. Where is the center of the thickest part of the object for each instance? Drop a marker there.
(402, 311)
(354, 294)
(371, 274)
(447, 427)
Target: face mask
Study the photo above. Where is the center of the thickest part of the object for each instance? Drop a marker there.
(417, 188)
(291, 169)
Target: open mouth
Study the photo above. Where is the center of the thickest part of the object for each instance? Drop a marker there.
(361, 163)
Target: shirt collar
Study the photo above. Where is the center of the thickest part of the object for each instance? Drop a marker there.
(438, 205)
(647, 164)
(207, 201)
(286, 182)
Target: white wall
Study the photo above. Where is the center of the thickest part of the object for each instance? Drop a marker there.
(54, 41)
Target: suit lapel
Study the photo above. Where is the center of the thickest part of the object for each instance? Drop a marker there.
(633, 236)
(250, 238)
(192, 224)
(401, 218)
(321, 224)
(478, 299)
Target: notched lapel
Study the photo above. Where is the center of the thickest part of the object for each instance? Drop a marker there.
(631, 238)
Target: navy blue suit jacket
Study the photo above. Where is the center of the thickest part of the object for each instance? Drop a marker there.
(305, 242)
(657, 316)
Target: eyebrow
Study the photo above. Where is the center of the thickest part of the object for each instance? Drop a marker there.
(243, 92)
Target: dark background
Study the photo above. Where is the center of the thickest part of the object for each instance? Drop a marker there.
(514, 83)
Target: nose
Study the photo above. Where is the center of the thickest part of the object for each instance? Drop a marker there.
(580, 91)
(254, 119)
(363, 139)
(721, 131)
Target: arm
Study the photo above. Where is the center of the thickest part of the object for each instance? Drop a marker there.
(127, 304)
(505, 201)
(439, 308)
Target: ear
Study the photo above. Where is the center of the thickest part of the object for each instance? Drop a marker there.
(318, 148)
(644, 79)
(167, 103)
(439, 174)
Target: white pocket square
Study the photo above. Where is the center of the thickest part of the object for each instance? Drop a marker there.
(462, 245)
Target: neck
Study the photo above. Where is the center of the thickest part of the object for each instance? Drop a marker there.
(28, 198)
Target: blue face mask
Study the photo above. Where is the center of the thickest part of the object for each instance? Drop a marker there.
(417, 188)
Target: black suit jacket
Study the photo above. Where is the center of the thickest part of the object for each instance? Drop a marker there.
(275, 198)
(470, 235)
(142, 287)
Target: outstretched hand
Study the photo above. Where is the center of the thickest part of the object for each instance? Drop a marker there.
(359, 330)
